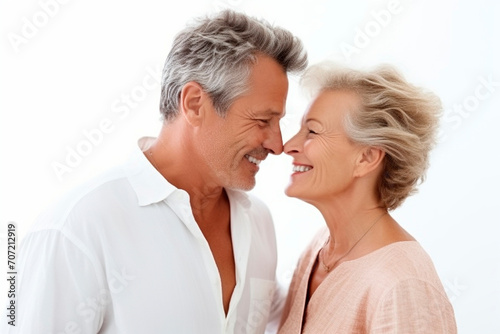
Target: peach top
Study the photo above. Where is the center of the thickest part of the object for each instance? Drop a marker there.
(394, 289)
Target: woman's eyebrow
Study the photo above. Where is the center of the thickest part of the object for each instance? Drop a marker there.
(310, 119)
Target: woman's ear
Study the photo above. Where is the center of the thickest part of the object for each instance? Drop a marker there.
(370, 158)
(191, 101)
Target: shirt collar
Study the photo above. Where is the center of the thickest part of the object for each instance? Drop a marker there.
(148, 184)
(239, 196)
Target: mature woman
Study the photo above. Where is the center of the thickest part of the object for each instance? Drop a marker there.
(362, 148)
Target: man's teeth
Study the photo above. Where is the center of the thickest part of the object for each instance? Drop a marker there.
(301, 168)
(253, 160)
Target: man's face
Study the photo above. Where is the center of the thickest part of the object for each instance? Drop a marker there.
(233, 146)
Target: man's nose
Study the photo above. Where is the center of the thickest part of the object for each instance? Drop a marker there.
(274, 141)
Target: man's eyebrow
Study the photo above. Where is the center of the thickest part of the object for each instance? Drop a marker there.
(273, 112)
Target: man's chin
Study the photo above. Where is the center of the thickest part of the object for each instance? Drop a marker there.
(243, 185)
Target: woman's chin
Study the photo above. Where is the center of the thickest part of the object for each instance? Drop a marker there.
(292, 191)
(300, 193)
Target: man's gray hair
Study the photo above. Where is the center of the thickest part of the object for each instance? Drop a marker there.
(218, 53)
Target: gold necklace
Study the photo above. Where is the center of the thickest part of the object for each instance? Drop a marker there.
(327, 268)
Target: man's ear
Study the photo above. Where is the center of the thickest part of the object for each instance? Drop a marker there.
(192, 101)
(370, 158)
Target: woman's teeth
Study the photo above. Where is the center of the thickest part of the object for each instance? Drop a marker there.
(301, 169)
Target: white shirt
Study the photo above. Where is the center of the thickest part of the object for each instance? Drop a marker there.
(125, 255)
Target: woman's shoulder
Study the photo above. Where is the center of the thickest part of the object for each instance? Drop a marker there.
(409, 289)
(398, 262)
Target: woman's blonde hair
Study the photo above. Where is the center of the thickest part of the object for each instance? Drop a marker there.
(396, 116)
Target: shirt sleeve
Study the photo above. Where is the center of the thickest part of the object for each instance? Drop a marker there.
(414, 306)
(58, 290)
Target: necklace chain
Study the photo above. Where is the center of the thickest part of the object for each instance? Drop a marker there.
(326, 267)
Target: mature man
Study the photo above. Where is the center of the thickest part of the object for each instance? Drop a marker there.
(169, 243)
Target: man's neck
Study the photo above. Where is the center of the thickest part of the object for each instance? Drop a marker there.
(209, 201)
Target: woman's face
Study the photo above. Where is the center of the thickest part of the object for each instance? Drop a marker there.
(324, 159)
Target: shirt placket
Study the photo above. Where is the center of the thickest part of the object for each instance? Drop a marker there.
(179, 203)
(241, 238)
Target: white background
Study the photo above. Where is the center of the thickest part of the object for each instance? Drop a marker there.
(66, 69)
